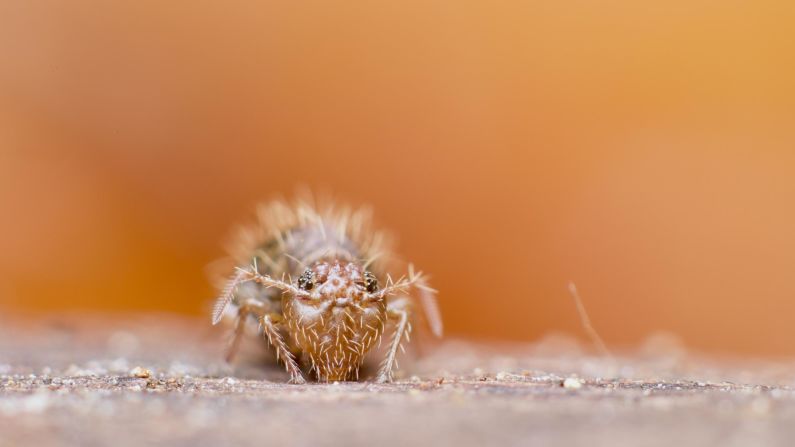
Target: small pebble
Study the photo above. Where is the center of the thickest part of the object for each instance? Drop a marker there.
(141, 373)
(572, 383)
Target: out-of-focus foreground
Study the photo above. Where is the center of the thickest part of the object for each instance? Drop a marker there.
(121, 385)
(642, 149)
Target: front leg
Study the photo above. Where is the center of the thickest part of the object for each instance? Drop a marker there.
(252, 307)
(399, 311)
(269, 323)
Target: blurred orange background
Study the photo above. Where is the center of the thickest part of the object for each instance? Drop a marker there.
(644, 150)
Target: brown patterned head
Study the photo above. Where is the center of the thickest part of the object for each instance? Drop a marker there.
(337, 318)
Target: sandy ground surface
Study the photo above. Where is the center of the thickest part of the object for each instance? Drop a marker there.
(155, 380)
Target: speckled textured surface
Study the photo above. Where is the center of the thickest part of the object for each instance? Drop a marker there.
(158, 380)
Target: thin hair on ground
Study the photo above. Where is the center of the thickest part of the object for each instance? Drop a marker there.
(586, 322)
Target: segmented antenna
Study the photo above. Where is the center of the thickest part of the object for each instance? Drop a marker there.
(430, 306)
(226, 296)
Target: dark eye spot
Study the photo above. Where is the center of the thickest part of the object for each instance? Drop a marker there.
(370, 282)
(307, 280)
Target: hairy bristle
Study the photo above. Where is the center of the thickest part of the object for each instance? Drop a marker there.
(336, 310)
